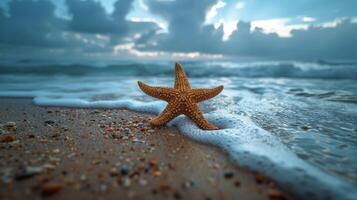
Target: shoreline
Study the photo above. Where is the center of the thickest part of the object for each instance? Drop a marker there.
(69, 153)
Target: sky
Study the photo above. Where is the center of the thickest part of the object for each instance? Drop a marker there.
(178, 29)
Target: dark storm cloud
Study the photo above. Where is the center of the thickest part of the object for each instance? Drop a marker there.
(186, 29)
(31, 23)
(91, 17)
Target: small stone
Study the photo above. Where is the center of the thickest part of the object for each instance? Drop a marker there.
(7, 138)
(164, 186)
(156, 173)
(237, 183)
(143, 182)
(124, 170)
(83, 177)
(127, 131)
(44, 141)
(27, 172)
(51, 188)
(49, 166)
(259, 178)
(228, 175)
(114, 172)
(56, 151)
(10, 126)
(275, 194)
(49, 122)
(127, 182)
(153, 161)
(188, 184)
(103, 188)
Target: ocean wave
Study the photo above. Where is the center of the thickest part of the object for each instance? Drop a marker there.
(248, 144)
(312, 70)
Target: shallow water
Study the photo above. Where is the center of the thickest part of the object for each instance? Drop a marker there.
(280, 118)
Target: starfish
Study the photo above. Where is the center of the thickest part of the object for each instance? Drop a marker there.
(182, 99)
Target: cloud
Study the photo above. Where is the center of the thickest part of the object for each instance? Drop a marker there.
(313, 43)
(308, 19)
(30, 27)
(280, 26)
(30, 23)
(186, 30)
(271, 38)
(91, 17)
(90, 29)
(213, 11)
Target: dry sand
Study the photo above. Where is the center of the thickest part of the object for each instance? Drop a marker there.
(65, 153)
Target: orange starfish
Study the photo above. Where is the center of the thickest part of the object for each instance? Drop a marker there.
(181, 100)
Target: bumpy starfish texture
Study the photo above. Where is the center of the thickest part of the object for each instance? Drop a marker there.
(182, 99)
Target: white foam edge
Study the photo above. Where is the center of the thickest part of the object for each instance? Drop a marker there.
(246, 143)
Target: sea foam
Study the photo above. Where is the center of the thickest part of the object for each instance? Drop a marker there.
(246, 143)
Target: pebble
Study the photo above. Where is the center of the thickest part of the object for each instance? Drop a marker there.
(10, 126)
(124, 169)
(275, 194)
(56, 151)
(114, 172)
(153, 161)
(127, 131)
(7, 138)
(49, 166)
(103, 188)
(44, 141)
(51, 188)
(228, 175)
(28, 172)
(143, 182)
(188, 184)
(156, 173)
(259, 179)
(49, 122)
(83, 177)
(127, 182)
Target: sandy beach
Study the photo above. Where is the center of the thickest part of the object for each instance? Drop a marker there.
(66, 153)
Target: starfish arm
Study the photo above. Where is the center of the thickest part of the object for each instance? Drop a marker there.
(170, 112)
(204, 94)
(162, 93)
(181, 81)
(194, 113)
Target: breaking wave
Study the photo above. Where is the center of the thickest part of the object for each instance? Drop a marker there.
(312, 70)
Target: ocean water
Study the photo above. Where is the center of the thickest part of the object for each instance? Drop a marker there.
(293, 121)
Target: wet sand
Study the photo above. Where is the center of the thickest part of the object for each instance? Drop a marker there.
(66, 153)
